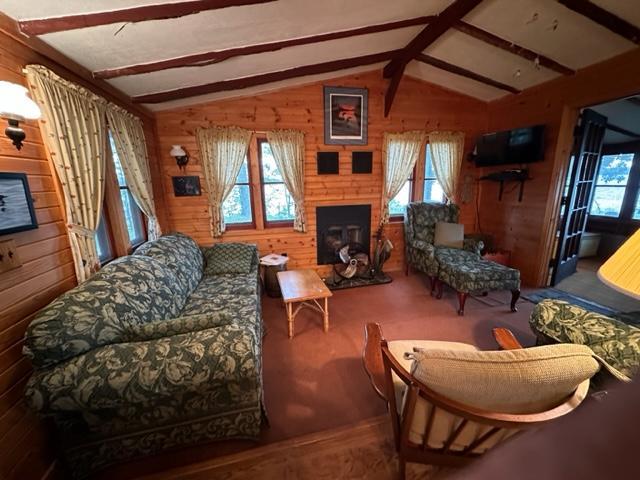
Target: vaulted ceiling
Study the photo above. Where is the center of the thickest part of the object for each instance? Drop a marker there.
(183, 52)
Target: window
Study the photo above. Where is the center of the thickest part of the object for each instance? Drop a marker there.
(432, 190)
(611, 184)
(132, 214)
(398, 205)
(636, 211)
(103, 240)
(236, 208)
(278, 206)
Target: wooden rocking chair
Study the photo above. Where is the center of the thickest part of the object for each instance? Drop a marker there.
(418, 413)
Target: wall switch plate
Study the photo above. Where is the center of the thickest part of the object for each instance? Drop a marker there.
(9, 256)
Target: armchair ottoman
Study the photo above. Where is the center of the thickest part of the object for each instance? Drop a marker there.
(477, 275)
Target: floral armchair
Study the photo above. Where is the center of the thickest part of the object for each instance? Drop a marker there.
(419, 232)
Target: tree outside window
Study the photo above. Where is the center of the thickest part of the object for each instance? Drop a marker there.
(237, 206)
(611, 184)
(432, 190)
(279, 207)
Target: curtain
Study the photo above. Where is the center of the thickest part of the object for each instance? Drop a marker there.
(288, 151)
(128, 137)
(222, 151)
(400, 151)
(75, 132)
(446, 152)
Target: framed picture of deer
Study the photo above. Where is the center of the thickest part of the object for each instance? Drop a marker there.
(345, 116)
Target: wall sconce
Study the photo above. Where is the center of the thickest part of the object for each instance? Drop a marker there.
(180, 155)
(16, 107)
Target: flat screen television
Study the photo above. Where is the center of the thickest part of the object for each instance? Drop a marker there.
(517, 146)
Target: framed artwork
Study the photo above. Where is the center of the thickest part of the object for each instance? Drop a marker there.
(188, 186)
(16, 204)
(345, 116)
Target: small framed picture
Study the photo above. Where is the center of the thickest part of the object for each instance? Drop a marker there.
(188, 186)
(345, 116)
(16, 205)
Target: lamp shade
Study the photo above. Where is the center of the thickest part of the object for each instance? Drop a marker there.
(15, 104)
(177, 151)
(622, 270)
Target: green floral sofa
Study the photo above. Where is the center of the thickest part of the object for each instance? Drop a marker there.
(158, 349)
(615, 342)
(419, 231)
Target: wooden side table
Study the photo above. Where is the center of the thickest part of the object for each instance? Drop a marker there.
(306, 288)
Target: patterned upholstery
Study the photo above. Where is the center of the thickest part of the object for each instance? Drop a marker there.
(419, 230)
(229, 258)
(467, 274)
(149, 354)
(127, 292)
(179, 253)
(615, 342)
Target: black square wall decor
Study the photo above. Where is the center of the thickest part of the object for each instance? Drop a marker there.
(328, 163)
(361, 162)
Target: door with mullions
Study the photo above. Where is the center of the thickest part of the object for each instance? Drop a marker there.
(581, 179)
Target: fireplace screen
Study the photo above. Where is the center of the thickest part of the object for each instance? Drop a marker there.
(341, 226)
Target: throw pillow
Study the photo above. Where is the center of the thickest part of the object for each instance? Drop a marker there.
(449, 235)
(527, 380)
(229, 258)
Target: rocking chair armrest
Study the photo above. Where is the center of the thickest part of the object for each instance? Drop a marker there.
(372, 357)
(506, 339)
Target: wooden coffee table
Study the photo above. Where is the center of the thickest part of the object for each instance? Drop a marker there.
(304, 287)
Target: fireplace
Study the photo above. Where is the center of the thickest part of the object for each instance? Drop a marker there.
(341, 225)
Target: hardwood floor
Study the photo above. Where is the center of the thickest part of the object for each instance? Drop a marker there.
(363, 451)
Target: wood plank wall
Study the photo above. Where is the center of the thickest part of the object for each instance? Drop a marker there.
(26, 452)
(528, 228)
(418, 105)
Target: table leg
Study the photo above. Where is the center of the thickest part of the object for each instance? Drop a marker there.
(326, 314)
(290, 318)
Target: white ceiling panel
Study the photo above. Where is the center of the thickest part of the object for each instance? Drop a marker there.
(453, 82)
(250, 65)
(30, 9)
(492, 62)
(107, 46)
(551, 29)
(270, 87)
(627, 9)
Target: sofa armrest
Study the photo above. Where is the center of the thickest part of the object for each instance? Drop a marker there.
(473, 245)
(151, 372)
(176, 326)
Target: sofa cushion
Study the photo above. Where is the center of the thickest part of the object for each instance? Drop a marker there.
(129, 291)
(527, 380)
(225, 258)
(244, 309)
(229, 284)
(449, 235)
(181, 254)
(615, 342)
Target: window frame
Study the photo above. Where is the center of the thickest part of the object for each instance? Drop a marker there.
(427, 155)
(624, 223)
(245, 225)
(268, 223)
(108, 240)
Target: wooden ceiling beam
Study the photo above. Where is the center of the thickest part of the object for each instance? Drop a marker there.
(604, 18)
(208, 58)
(128, 15)
(255, 80)
(511, 47)
(463, 72)
(443, 22)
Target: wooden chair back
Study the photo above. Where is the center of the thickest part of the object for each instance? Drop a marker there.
(380, 364)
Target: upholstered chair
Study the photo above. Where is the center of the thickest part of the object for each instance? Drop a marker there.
(449, 402)
(419, 232)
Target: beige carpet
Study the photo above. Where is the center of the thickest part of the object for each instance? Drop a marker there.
(585, 284)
